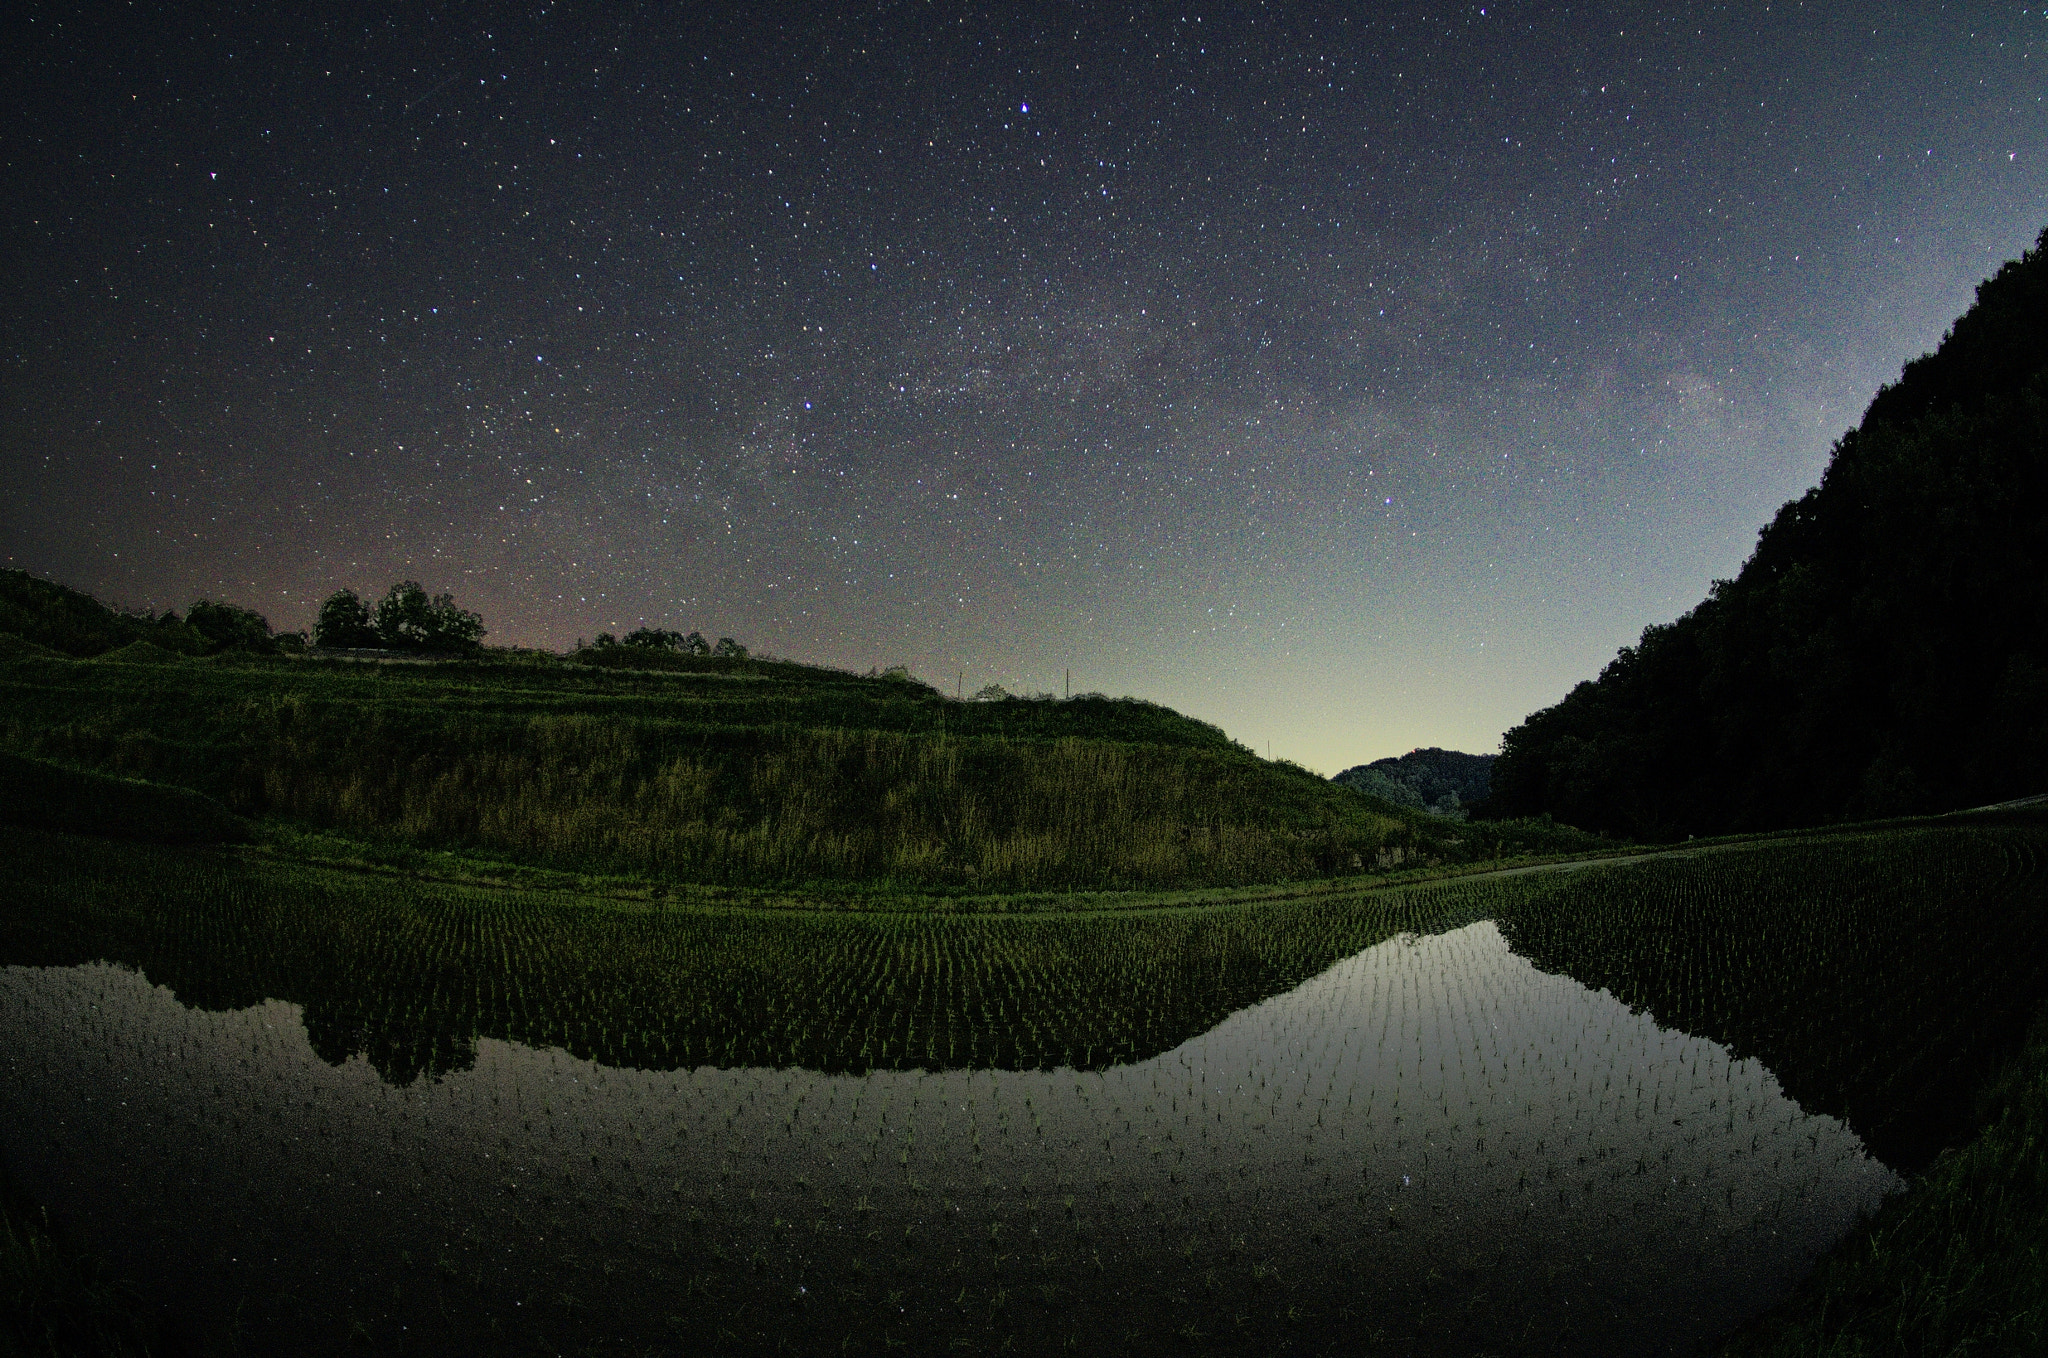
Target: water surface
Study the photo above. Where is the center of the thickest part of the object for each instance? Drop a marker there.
(1428, 1147)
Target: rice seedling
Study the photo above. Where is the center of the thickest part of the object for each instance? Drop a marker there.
(1296, 1122)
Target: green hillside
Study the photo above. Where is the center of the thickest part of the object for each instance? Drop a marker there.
(1884, 652)
(731, 771)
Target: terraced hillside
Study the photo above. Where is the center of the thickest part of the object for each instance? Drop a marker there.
(736, 772)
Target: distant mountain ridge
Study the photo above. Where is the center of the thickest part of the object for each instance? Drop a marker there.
(1884, 651)
(1442, 782)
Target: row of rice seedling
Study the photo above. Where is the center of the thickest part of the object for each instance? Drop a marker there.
(412, 973)
(1301, 1124)
(1428, 1121)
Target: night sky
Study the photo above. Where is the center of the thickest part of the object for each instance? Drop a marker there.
(1354, 377)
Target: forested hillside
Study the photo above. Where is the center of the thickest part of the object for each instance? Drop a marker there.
(1443, 782)
(1884, 651)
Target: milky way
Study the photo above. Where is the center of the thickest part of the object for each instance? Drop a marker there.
(1354, 377)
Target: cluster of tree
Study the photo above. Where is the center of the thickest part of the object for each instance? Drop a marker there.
(1442, 782)
(1883, 652)
(74, 623)
(230, 627)
(657, 640)
(405, 619)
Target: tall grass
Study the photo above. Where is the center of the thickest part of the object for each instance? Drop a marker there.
(787, 805)
(721, 778)
(56, 1299)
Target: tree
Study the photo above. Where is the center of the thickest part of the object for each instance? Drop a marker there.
(1883, 652)
(408, 620)
(653, 639)
(728, 649)
(454, 628)
(404, 616)
(229, 628)
(344, 621)
(694, 644)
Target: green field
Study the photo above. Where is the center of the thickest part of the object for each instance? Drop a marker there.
(412, 973)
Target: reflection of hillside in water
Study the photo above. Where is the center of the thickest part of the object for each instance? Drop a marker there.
(1838, 963)
(1882, 978)
(1402, 1117)
(1428, 1148)
(411, 975)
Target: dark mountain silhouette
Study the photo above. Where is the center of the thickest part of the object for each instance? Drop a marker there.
(1884, 651)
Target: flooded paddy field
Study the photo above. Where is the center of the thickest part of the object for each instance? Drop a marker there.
(1615, 1110)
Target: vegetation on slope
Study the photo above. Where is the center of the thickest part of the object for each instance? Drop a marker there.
(64, 620)
(1442, 781)
(1883, 652)
(719, 769)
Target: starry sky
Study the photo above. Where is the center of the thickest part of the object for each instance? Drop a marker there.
(1356, 377)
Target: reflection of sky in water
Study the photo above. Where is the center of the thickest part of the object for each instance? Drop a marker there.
(1431, 1143)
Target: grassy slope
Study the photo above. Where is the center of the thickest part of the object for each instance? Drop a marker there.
(753, 774)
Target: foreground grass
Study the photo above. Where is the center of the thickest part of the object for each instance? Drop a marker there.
(57, 1301)
(1957, 1264)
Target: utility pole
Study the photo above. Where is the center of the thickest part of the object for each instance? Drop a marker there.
(1070, 684)
(960, 686)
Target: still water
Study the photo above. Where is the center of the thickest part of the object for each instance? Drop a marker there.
(1430, 1147)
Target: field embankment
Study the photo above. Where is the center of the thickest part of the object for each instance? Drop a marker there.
(48, 796)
